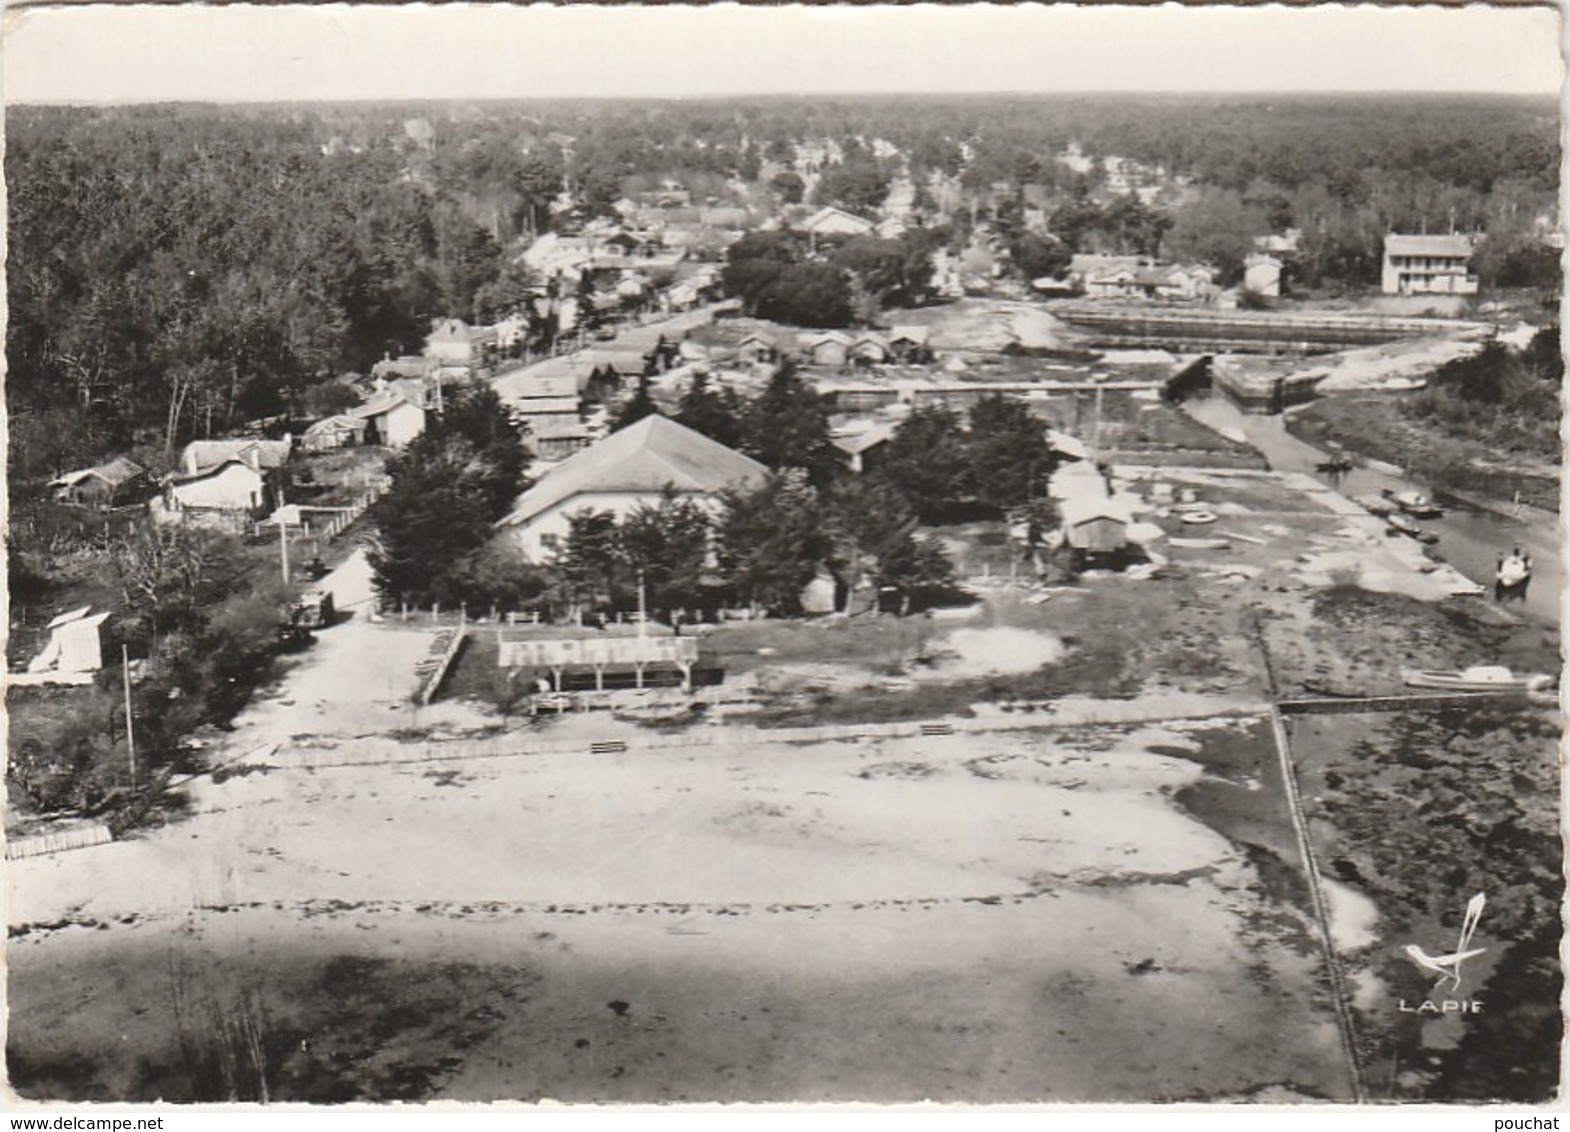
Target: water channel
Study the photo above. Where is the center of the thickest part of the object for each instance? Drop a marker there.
(1470, 538)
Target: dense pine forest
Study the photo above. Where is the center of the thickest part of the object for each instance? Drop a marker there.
(177, 269)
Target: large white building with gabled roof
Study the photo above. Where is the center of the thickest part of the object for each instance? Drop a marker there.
(626, 470)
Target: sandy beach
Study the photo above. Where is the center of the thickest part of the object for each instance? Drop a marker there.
(969, 917)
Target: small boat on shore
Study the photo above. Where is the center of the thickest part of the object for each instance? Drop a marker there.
(1414, 503)
(1479, 678)
(1400, 524)
(1374, 505)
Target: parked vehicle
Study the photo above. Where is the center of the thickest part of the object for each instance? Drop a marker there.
(312, 609)
(294, 637)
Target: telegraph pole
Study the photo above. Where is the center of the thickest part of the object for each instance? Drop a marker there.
(283, 548)
(643, 608)
(130, 736)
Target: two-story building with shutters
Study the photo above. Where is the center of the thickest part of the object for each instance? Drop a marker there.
(1427, 265)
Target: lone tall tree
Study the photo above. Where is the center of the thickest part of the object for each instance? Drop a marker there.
(788, 427)
(448, 487)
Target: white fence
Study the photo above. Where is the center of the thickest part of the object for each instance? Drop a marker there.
(78, 838)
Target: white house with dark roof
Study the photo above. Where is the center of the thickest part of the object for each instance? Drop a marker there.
(626, 470)
(1427, 265)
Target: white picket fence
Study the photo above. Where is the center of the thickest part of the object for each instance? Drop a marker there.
(79, 838)
(350, 513)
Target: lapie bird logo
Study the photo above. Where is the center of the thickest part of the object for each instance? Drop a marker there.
(1448, 967)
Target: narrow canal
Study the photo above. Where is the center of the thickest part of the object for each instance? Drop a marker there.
(1470, 539)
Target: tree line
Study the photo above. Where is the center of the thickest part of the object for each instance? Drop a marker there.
(171, 276)
(176, 270)
(779, 276)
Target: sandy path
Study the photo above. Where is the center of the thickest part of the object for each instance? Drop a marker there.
(357, 679)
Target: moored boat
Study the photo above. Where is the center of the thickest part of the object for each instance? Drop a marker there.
(1414, 503)
(1478, 678)
(1374, 505)
(1400, 524)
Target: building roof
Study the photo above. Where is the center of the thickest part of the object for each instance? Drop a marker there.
(863, 439)
(546, 386)
(457, 330)
(69, 616)
(558, 428)
(647, 457)
(181, 479)
(833, 219)
(621, 361)
(200, 455)
(120, 470)
(386, 400)
(1087, 507)
(1396, 244)
(340, 422)
(1086, 264)
(914, 334)
(534, 406)
(1148, 275)
(1281, 244)
(403, 367)
(645, 338)
(813, 341)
